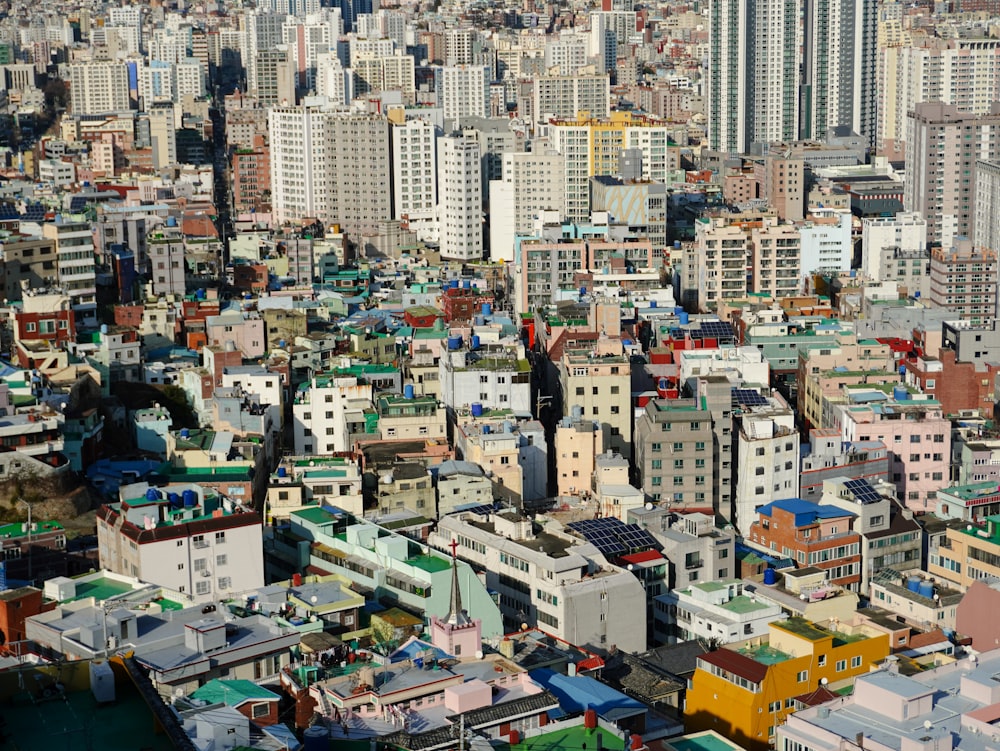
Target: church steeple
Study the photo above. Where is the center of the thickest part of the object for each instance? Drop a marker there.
(456, 616)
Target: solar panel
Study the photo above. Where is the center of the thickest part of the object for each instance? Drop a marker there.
(717, 330)
(613, 537)
(863, 491)
(748, 398)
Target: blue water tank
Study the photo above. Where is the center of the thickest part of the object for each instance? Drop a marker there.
(486, 429)
(508, 426)
(454, 342)
(454, 283)
(475, 342)
(626, 342)
(663, 384)
(916, 295)
(282, 472)
(902, 370)
(466, 284)
(652, 303)
(104, 328)
(316, 738)
(199, 294)
(175, 499)
(487, 309)
(913, 584)
(408, 391)
(281, 343)
(477, 409)
(900, 394)
(926, 590)
(152, 494)
(171, 221)
(770, 577)
(185, 433)
(677, 244)
(684, 317)
(190, 498)
(583, 291)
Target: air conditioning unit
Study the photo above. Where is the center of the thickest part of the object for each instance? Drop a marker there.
(206, 573)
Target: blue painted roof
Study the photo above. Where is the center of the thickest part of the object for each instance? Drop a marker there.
(806, 512)
(580, 692)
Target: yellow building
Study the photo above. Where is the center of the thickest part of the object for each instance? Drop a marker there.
(744, 690)
(967, 553)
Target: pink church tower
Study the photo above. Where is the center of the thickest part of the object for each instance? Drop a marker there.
(458, 634)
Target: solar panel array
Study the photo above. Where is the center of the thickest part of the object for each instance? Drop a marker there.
(78, 203)
(748, 398)
(715, 330)
(613, 537)
(863, 491)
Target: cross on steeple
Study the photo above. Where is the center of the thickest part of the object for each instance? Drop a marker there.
(454, 548)
(457, 616)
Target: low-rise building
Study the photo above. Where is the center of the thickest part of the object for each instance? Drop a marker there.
(184, 537)
(718, 611)
(753, 684)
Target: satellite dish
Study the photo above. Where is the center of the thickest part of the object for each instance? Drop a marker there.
(479, 654)
(928, 724)
(630, 567)
(823, 681)
(649, 507)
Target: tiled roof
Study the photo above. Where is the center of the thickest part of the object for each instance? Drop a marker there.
(737, 664)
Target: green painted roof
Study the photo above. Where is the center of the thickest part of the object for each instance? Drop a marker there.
(233, 692)
(315, 515)
(100, 589)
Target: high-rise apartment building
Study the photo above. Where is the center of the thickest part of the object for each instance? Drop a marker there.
(98, 87)
(566, 96)
(964, 280)
(275, 77)
(461, 198)
(463, 90)
(753, 72)
(331, 166)
(943, 146)
(414, 173)
(840, 67)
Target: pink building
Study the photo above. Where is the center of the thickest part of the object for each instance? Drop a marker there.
(245, 329)
(919, 440)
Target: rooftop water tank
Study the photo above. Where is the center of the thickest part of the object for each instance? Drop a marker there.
(171, 221)
(913, 584)
(770, 577)
(926, 589)
(185, 433)
(282, 472)
(900, 394)
(583, 291)
(475, 342)
(466, 284)
(652, 303)
(477, 409)
(487, 309)
(684, 317)
(104, 328)
(408, 391)
(902, 370)
(190, 499)
(315, 738)
(454, 342)
(152, 494)
(677, 244)
(487, 429)
(175, 499)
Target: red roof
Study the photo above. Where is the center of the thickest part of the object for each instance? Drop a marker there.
(317, 571)
(591, 663)
(737, 664)
(814, 698)
(644, 557)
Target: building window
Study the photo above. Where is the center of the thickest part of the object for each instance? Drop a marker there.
(220, 560)
(261, 709)
(201, 588)
(841, 666)
(856, 661)
(225, 582)
(802, 676)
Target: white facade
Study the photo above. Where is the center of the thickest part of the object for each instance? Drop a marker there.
(166, 262)
(463, 90)
(826, 244)
(718, 611)
(767, 463)
(320, 414)
(415, 173)
(565, 96)
(332, 80)
(460, 198)
(495, 387)
(208, 560)
(98, 87)
(906, 231)
(593, 610)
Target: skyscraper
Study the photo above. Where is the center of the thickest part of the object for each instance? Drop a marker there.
(753, 72)
(461, 197)
(840, 67)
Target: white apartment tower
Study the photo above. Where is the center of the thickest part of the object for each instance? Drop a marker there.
(463, 90)
(460, 203)
(753, 71)
(98, 87)
(415, 173)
